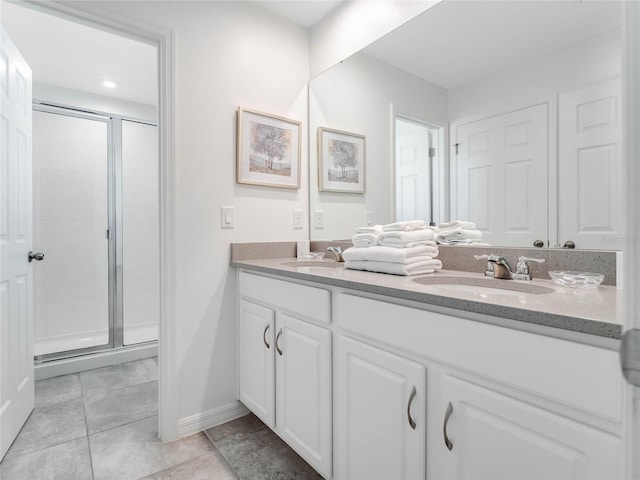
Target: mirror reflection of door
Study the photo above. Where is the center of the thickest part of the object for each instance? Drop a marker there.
(501, 176)
(414, 189)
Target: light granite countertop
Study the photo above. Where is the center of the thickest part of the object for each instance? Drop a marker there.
(594, 312)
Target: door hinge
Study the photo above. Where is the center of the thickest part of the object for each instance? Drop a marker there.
(630, 356)
(456, 145)
(107, 234)
(432, 152)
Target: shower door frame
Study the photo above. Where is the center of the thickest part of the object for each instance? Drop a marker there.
(113, 231)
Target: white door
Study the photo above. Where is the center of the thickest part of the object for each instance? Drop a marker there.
(413, 184)
(379, 415)
(499, 179)
(477, 433)
(590, 179)
(303, 390)
(256, 367)
(16, 309)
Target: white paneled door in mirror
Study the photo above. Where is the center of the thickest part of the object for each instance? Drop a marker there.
(501, 176)
(16, 298)
(591, 197)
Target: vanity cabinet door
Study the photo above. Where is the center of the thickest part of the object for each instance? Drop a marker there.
(303, 390)
(477, 433)
(256, 359)
(379, 414)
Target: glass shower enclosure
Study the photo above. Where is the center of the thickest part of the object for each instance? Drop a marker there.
(96, 207)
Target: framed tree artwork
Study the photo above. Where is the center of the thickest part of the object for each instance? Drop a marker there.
(268, 150)
(341, 161)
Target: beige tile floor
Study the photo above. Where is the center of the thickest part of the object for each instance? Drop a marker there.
(102, 425)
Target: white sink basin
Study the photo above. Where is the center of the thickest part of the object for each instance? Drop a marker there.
(483, 285)
(314, 263)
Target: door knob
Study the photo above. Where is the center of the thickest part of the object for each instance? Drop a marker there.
(39, 256)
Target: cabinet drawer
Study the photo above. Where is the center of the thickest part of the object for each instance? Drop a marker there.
(582, 376)
(306, 302)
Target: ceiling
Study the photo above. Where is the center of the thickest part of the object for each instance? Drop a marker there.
(454, 43)
(457, 42)
(303, 12)
(81, 58)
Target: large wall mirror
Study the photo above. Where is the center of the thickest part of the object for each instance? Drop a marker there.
(506, 114)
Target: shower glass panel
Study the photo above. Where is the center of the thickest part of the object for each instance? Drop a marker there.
(140, 233)
(71, 216)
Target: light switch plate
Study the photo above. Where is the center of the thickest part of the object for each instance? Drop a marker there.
(226, 217)
(318, 219)
(298, 218)
(368, 218)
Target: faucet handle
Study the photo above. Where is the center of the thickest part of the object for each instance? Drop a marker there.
(522, 268)
(481, 257)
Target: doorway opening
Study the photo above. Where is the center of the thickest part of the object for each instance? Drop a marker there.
(96, 193)
(417, 147)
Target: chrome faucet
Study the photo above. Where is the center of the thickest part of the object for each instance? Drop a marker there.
(497, 266)
(337, 254)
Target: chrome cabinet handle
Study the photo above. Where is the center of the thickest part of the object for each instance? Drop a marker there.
(39, 256)
(264, 336)
(412, 395)
(447, 442)
(277, 346)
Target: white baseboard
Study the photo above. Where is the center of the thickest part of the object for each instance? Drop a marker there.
(212, 418)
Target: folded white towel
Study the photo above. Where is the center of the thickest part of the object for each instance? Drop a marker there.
(371, 229)
(405, 239)
(415, 268)
(475, 243)
(364, 239)
(405, 226)
(455, 224)
(458, 234)
(391, 254)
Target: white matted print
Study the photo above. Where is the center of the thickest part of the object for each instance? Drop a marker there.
(268, 150)
(341, 161)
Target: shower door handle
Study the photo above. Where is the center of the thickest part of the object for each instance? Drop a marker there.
(39, 256)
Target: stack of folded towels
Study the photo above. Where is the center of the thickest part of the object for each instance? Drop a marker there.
(403, 248)
(458, 233)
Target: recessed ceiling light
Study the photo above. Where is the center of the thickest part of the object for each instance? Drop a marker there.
(109, 84)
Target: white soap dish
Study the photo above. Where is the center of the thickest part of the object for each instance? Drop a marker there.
(583, 280)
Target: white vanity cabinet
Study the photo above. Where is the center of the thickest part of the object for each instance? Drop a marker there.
(285, 363)
(479, 433)
(510, 404)
(380, 413)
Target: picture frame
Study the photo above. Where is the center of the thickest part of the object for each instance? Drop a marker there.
(341, 161)
(267, 150)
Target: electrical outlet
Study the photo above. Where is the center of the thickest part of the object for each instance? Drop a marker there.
(318, 219)
(368, 218)
(226, 217)
(298, 218)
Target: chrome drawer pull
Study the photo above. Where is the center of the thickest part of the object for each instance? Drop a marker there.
(447, 442)
(264, 336)
(412, 395)
(277, 346)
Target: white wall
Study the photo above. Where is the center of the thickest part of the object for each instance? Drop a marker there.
(569, 68)
(91, 102)
(227, 54)
(354, 24)
(359, 96)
